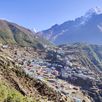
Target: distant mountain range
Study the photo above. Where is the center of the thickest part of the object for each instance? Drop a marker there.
(86, 29)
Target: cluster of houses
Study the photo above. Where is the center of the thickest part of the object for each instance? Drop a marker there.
(48, 70)
(38, 69)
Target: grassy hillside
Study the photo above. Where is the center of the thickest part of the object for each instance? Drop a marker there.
(94, 54)
(9, 94)
(11, 33)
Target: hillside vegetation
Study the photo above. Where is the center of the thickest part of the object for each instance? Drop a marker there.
(11, 33)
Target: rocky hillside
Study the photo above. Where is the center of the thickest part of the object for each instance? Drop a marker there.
(90, 53)
(11, 33)
(80, 65)
(34, 78)
(18, 86)
(87, 28)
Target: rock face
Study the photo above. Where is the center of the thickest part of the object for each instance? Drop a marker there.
(87, 28)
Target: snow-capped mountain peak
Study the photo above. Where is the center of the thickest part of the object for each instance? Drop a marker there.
(96, 10)
(87, 28)
(90, 13)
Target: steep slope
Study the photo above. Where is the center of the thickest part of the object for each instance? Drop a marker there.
(11, 33)
(86, 55)
(19, 86)
(81, 65)
(87, 28)
(31, 76)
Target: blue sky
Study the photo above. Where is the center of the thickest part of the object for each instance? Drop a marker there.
(42, 14)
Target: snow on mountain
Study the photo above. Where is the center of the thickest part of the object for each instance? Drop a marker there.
(87, 29)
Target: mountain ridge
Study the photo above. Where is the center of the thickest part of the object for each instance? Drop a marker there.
(12, 33)
(85, 29)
